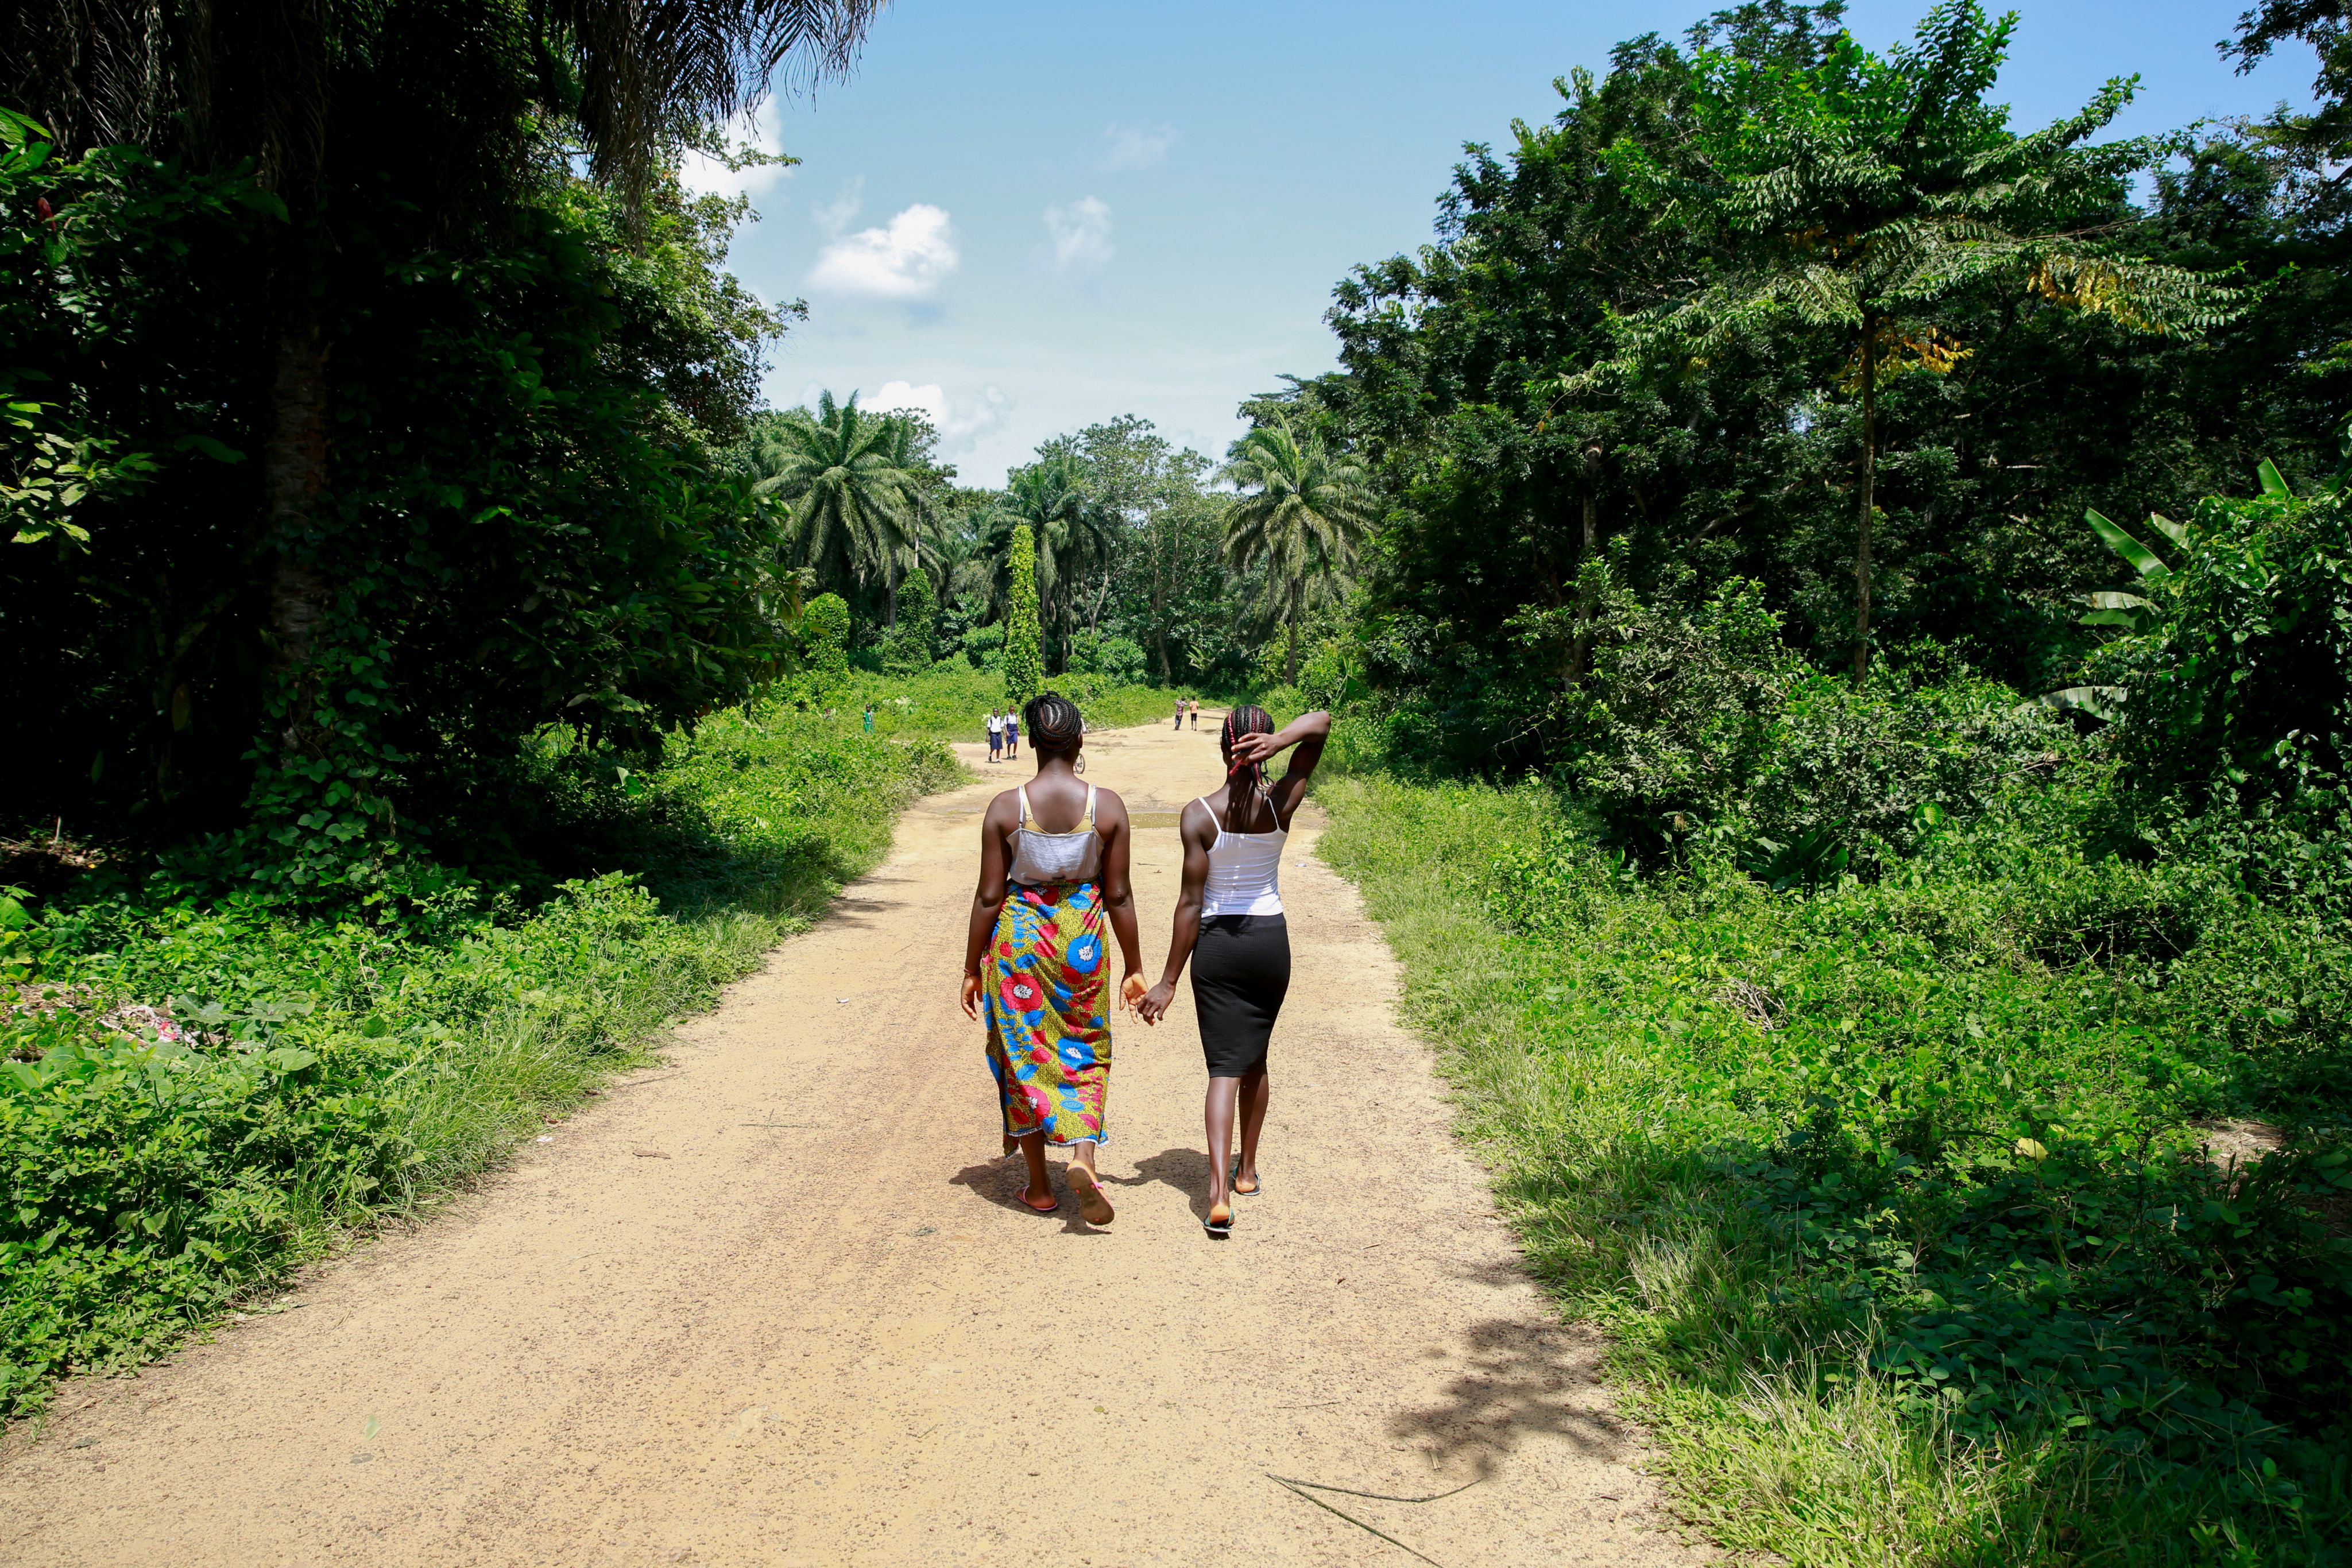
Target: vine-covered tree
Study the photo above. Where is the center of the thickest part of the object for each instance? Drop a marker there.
(1024, 661)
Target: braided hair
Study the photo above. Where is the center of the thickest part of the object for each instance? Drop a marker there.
(1246, 720)
(1054, 723)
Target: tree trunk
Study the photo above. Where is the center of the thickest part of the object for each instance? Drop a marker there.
(1869, 496)
(890, 599)
(295, 465)
(1298, 607)
(1581, 650)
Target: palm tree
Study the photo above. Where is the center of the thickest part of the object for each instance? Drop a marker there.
(856, 487)
(1072, 533)
(1303, 510)
(463, 97)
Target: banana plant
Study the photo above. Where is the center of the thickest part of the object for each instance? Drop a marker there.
(2134, 609)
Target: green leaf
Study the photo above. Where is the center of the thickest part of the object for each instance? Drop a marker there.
(2143, 560)
(219, 451)
(2273, 484)
(2177, 532)
(290, 1059)
(2100, 702)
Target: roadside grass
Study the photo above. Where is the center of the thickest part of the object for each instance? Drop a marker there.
(197, 1094)
(1892, 1204)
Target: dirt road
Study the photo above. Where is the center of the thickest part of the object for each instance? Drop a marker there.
(774, 1302)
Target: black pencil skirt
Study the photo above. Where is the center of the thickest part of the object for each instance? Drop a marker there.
(1241, 971)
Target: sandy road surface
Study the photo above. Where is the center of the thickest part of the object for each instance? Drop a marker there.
(775, 1303)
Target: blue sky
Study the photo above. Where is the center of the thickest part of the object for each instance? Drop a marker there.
(1029, 215)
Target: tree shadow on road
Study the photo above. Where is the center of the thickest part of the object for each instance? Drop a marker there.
(1520, 1382)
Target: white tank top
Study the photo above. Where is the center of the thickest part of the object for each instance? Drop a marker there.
(1040, 859)
(1244, 871)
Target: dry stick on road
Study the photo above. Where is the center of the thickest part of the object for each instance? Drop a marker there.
(1298, 1488)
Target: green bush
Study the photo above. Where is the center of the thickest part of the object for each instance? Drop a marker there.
(1116, 657)
(912, 641)
(1915, 1155)
(824, 632)
(195, 1095)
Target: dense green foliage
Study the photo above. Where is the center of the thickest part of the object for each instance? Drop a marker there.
(355, 436)
(1858, 1173)
(194, 1095)
(1024, 671)
(1602, 351)
(825, 634)
(1942, 1092)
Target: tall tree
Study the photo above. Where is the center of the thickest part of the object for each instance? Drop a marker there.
(1072, 531)
(1861, 195)
(1303, 511)
(321, 97)
(859, 493)
(1024, 662)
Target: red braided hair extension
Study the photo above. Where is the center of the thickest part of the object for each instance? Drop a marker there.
(1246, 720)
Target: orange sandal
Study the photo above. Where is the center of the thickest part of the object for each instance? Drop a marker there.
(1093, 1202)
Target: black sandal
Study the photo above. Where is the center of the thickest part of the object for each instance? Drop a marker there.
(1234, 1176)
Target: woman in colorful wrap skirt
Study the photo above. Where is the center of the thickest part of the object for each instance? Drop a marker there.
(1053, 873)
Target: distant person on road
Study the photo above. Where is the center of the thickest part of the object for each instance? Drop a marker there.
(1229, 923)
(1196, 713)
(1012, 734)
(995, 735)
(1035, 958)
(1179, 712)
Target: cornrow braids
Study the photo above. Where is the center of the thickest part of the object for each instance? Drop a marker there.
(1054, 723)
(1246, 720)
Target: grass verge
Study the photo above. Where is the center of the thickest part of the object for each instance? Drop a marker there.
(196, 1095)
(1891, 1197)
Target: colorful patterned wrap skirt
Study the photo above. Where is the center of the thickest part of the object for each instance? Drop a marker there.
(1048, 1029)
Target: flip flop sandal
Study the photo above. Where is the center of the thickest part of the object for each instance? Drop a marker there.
(1021, 1196)
(1233, 1175)
(1220, 1228)
(1093, 1202)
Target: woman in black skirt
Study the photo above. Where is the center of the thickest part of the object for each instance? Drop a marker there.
(1228, 924)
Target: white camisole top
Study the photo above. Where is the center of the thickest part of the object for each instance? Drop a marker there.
(1041, 858)
(1244, 871)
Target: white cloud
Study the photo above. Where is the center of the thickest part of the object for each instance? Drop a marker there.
(833, 217)
(1135, 147)
(904, 259)
(764, 131)
(1081, 235)
(959, 424)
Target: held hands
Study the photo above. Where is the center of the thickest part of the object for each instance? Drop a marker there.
(1131, 996)
(1154, 1006)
